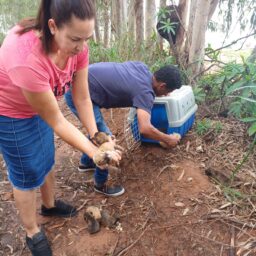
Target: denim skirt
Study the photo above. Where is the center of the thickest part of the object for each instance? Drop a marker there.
(27, 145)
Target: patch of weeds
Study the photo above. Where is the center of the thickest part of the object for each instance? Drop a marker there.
(203, 126)
(218, 127)
(232, 194)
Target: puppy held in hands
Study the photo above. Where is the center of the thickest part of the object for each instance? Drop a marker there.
(105, 142)
(106, 148)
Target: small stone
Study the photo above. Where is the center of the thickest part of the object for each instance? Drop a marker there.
(199, 149)
(179, 204)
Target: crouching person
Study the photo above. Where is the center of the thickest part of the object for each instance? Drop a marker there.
(118, 85)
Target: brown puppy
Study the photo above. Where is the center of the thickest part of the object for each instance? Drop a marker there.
(106, 146)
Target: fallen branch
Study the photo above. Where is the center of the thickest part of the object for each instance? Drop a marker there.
(164, 168)
(123, 251)
(232, 249)
(82, 206)
(114, 247)
(244, 224)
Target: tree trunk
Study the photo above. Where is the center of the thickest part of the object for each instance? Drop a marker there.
(118, 19)
(114, 24)
(191, 35)
(106, 22)
(123, 11)
(196, 50)
(97, 30)
(160, 39)
(213, 6)
(138, 7)
(131, 19)
(150, 18)
(181, 35)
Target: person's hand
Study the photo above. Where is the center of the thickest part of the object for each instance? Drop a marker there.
(107, 156)
(172, 141)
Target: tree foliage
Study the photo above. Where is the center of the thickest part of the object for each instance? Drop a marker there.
(246, 14)
(11, 11)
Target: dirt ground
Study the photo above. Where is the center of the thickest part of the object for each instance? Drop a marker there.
(164, 211)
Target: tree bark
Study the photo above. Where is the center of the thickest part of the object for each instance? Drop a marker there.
(131, 19)
(118, 19)
(213, 6)
(160, 39)
(106, 22)
(97, 30)
(114, 24)
(138, 7)
(123, 7)
(191, 36)
(150, 18)
(196, 50)
(181, 38)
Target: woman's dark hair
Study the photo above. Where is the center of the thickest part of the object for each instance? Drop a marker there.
(59, 10)
(169, 75)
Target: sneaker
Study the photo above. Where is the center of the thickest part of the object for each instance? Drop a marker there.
(110, 191)
(39, 245)
(60, 209)
(86, 168)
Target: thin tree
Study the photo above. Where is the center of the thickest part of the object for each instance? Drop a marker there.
(150, 18)
(114, 22)
(131, 19)
(106, 22)
(138, 7)
(194, 16)
(97, 36)
(160, 39)
(123, 11)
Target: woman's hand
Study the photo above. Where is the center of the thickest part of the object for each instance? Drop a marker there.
(108, 154)
(105, 157)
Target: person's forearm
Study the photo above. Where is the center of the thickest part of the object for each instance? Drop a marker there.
(70, 134)
(153, 133)
(86, 116)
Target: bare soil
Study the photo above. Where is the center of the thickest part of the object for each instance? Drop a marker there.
(164, 211)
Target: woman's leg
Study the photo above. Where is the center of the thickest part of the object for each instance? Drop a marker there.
(26, 204)
(48, 190)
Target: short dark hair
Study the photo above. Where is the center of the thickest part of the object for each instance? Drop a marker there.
(169, 75)
(59, 10)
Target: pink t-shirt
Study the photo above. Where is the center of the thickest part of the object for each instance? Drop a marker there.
(24, 65)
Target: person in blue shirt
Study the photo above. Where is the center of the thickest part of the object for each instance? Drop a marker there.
(128, 84)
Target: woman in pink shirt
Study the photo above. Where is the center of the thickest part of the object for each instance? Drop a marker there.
(39, 59)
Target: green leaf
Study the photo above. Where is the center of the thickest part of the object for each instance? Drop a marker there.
(248, 119)
(244, 87)
(234, 87)
(243, 98)
(252, 129)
